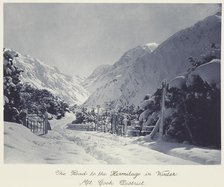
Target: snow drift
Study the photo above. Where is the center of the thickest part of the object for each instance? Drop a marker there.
(65, 146)
(22, 146)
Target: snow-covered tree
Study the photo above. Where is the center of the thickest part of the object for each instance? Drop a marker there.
(205, 58)
(150, 109)
(12, 86)
(19, 96)
(195, 114)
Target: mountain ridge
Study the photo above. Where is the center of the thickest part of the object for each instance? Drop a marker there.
(43, 76)
(144, 74)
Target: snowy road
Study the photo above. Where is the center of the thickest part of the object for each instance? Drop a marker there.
(105, 148)
(64, 145)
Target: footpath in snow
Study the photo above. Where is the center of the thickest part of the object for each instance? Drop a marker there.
(64, 144)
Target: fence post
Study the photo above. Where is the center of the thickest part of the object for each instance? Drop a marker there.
(162, 110)
(125, 124)
(31, 126)
(30, 123)
(26, 122)
(43, 126)
(46, 121)
(98, 111)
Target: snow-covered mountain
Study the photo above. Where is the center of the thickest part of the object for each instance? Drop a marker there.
(105, 73)
(43, 76)
(96, 79)
(140, 70)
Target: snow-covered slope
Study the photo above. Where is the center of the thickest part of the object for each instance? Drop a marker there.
(22, 146)
(43, 76)
(141, 71)
(108, 85)
(96, 78)
(107, 73)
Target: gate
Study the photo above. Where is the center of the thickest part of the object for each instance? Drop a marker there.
(36, 124)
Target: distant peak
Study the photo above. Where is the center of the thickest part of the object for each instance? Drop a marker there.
(150, 46)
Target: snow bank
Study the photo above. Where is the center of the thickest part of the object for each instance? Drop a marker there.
(189, 152)
(22, 146)
(64, 145)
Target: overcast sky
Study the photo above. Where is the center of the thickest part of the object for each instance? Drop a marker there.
(76, 38)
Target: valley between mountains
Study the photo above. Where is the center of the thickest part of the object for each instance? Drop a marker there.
(157, 104)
